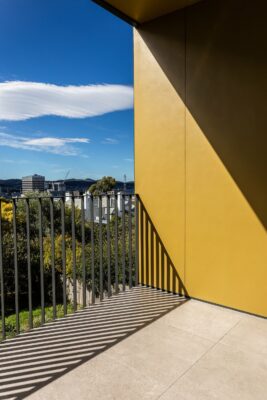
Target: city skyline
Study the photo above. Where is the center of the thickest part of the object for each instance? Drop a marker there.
(66, 100)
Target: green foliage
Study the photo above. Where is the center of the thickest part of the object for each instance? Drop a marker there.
(8, 251)
(104, 185)
(10, 322)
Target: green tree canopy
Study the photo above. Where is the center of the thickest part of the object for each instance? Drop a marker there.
(104, 185)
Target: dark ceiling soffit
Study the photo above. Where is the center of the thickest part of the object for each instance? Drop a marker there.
(116, 12)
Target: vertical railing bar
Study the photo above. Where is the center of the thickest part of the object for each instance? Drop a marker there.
(63, 255)
(41, 252)
(157, 263)
(27, 203)
(152, 264)
(16, 266)
(73, 239)
(136, 240)
(116, 245)
(162, 268)
(52, 235)
(108, 245)
(123, 242)
(146, 248)
(92, 249)
(100, 249)
(83, 251)
(2, 278)
(130, 239)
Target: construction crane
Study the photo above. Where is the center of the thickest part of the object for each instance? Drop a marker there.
(66, 176)
(124, 183)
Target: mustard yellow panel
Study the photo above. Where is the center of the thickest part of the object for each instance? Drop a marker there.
(159, 162)
(145, 10)
(200, 150)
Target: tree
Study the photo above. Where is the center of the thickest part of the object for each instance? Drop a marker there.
(22, 257)
(104, 185)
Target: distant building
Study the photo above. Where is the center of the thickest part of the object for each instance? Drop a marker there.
(55, 188)
(111, 194)
(33, 183)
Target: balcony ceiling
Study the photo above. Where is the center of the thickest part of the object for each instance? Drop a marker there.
(145, 10)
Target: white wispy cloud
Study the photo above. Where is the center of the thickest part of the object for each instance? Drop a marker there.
(110, 141)
(128, 159)
(21, 100)
(54, 145)
(11, 161)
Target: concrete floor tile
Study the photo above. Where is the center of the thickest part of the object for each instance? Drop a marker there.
(203, 319)
(223, 373)
(101, 378)
(249, 335)
(161, 352)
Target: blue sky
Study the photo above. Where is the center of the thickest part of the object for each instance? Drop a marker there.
(66, 76)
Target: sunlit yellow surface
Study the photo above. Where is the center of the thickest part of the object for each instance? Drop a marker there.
(213, 234)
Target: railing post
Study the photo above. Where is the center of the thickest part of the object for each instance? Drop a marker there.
(92, 248)
(123, 242)
(2, 287)
(108, 245)
(52, 231)
(16, 265)
(63, 246)
(27, 203)
(41, 250)
(83, 251)
(116, 245)
(130, 239)
(73, 253)
(100, 248)
(136, 240)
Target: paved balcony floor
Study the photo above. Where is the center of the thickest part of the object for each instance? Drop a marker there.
(141, 344)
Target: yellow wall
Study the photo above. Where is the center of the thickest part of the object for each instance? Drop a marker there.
(201, 145)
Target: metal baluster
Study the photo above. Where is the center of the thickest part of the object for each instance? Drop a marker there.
(92, 249)
(152, 269)
(146, 282)
(142, 244)
(100, 248)
(157, 263)
(136, 240)
(162, 269)
(116, 245)
(16, 266)
(108, 244)
(52, 232)
(2, 278)
(29, 262)
(123, 241)
(130, 239)
(41, 250)
(73, 253)
(63, 254)
(83, 252)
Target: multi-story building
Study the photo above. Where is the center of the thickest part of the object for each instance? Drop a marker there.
(55, 188)
(33, 183)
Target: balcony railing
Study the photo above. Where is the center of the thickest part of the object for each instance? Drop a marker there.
(61, 254)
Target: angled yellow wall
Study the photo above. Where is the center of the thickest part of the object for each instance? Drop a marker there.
(160, 136)
(200, 147)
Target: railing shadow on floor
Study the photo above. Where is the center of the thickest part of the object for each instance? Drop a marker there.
(36, 358)
(156, 268)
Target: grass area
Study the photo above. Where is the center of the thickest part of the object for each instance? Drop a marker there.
(36, 316)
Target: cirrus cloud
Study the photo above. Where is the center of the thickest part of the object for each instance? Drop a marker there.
(54, 145)
(21, 100)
